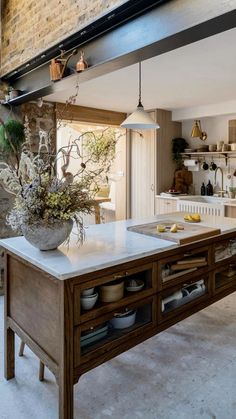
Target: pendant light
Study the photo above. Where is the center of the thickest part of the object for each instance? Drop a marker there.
(139, 119)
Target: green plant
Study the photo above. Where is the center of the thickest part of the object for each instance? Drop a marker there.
(12, 135)
(178, 146)
(102, 146)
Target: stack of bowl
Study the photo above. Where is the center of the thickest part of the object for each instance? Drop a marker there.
(88, 298)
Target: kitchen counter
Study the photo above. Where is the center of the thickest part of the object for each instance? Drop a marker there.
(104, 246)
(165, 203)
(44, 293)
(212, 199)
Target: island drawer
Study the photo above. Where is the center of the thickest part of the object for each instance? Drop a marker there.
(174, 269)
(224, 250)
(105, 294)
(96, 337)
(224, 277)
(179, 298)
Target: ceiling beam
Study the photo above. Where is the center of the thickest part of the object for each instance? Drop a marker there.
(89, 115)
(167, 27)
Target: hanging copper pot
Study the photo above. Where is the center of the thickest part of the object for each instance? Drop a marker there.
(81, 64)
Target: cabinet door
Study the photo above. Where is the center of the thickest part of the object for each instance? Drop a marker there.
(143, 151)
(173, 205)
(166, 206)
(103, 334)
(230, 211)
(173, 301)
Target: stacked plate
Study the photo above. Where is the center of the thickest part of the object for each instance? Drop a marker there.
(188, 150)
(94, 334)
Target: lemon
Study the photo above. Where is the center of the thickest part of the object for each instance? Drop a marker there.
(161, 228)
(196, 217)
(174, 228)
(188, 217)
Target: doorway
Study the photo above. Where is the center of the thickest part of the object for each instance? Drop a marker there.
(111, 194)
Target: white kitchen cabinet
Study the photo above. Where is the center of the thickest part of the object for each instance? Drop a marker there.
(165, 205)
(151, 164)
(143, 151)
(230, 211)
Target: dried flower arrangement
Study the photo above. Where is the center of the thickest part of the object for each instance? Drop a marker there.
(41, 195)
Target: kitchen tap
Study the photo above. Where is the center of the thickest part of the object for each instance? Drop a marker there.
(221, 192)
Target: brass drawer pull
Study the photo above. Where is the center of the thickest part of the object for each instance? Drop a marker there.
(119, 276)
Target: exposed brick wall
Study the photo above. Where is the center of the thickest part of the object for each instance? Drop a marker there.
(29, 26)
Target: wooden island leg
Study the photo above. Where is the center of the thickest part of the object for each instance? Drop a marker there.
(66, 367)
(9, 353)
(9, 335)
(66, 398)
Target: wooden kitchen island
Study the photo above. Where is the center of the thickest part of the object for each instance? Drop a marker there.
(43, 290)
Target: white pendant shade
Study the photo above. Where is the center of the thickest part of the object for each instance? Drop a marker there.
(139, 119)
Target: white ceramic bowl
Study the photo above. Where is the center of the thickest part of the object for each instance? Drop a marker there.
(134, 285)
(125, 321)
(89, 301)
(88, 291)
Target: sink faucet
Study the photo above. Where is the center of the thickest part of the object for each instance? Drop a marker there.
(222, 181)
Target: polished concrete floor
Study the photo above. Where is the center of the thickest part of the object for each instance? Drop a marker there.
(187, 372)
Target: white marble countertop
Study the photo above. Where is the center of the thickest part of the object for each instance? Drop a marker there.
(212, 199)
(105, 245)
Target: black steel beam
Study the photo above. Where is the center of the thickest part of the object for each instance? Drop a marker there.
(151, 34)
(123, 13)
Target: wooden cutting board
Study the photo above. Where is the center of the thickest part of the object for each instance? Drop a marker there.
(192, 231)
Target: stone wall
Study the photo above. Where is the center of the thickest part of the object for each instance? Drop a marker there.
(43, 118)
(29, 27)
(39, 118)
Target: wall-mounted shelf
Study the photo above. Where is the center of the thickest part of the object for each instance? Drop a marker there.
(28, 96)
(219, 154)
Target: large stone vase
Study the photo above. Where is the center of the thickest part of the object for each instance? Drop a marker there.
(47, 237)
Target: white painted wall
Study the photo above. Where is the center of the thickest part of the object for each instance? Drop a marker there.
(217, 130)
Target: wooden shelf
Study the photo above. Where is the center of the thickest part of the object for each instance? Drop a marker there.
(210, 153)
(28, 96)
(220, 154)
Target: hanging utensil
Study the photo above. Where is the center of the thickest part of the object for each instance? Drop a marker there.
(229, 174)
(205, 166)
(213, 166)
